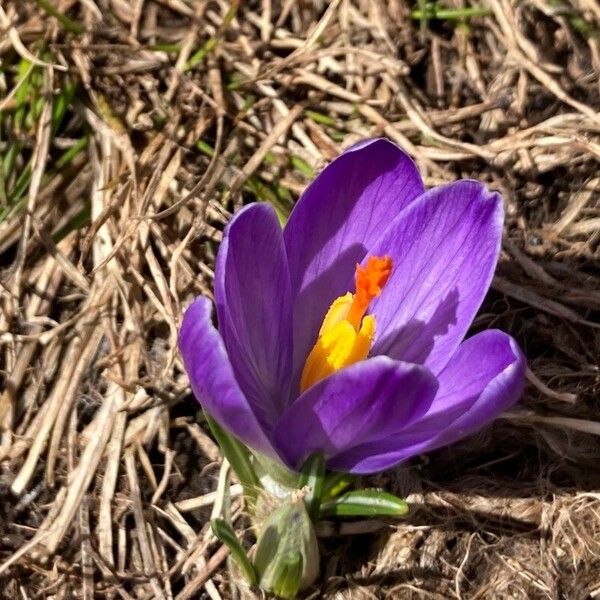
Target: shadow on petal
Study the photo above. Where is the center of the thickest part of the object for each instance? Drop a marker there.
(414, 340)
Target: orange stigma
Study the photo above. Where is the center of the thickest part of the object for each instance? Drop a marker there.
(370, 280)
(346, 334)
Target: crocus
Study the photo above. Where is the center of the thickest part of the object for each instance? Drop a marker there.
(344, 332)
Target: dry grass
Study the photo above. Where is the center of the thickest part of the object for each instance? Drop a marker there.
(174, 113)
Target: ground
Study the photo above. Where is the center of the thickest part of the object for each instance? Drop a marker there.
(130, 130)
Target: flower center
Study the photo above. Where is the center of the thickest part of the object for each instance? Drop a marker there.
(346, 334)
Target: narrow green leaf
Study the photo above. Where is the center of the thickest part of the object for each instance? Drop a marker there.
(290, 576)
(237, 455)
(10, 158)
(231, 12)
(365, 503)
(427, 11)
(262, 191)
(35, 110)
(21, 185)
(302, 166)
(320, 118)
(10, 210)
(200, 54)
(313, 476)
(205, 148)
(68, 155)
(575, 19)
(20, 188)
(235, 80)
(335, 484)
(337, 136)
(284, 194)
(270, 159)
(61, 103)
(223, 530)
(24, 92)
(282, 215)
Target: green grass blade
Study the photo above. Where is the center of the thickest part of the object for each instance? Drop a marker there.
(205, 148)
(8, 164)
(68, 156)
(320, 118)
(302, 166)
(61, 103)
(223, 530)
(210, 44)
(427, 11)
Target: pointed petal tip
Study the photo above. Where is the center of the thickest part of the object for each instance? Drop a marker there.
(253, 299)
(195, 312)
(340, 214)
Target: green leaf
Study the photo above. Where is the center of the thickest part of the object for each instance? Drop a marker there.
(320, 118)
(10, 158)
(365, 503)
(205, 148)
(210, 44)
(68, 155)
(24, 93)
(21, 185)
(223, 530)
(238, 456)
(313, 476)
(290, 576)
(427, 11)
(61, 103)
(286, 556)
(335, 484)
(302, 166)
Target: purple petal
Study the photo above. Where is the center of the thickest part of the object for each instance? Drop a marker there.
(337, 218)
(361, 403)
(444, 249)
(212, 379)
(254, 309)
(484, 378)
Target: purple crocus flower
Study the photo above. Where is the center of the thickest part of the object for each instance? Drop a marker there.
(344, 332)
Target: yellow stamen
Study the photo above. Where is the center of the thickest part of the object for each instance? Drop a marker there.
(346, 334)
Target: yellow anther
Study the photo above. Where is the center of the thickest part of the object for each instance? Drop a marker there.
(346, 335)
